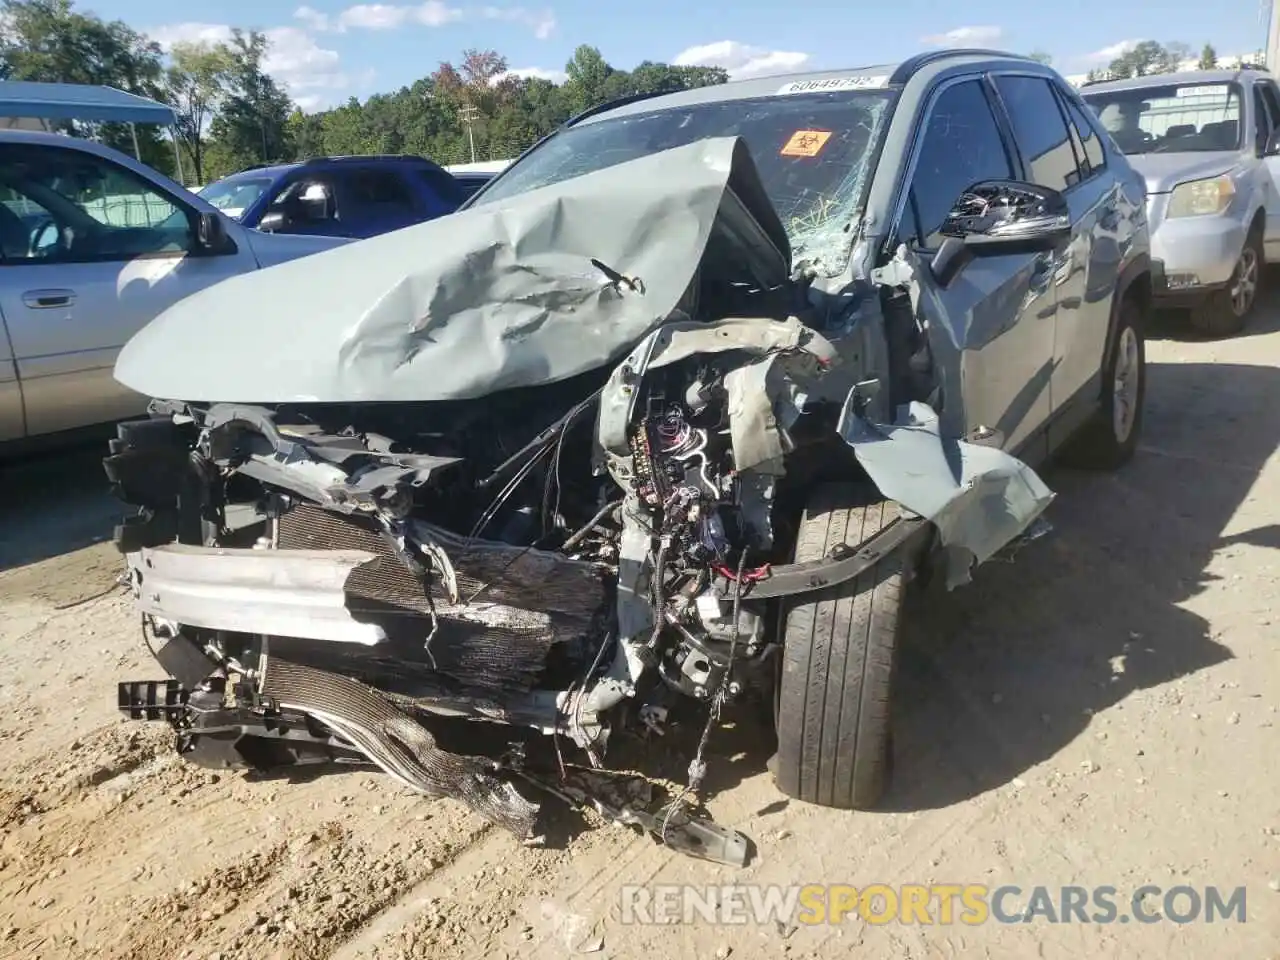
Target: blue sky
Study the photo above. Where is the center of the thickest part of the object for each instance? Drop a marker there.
(328, 50)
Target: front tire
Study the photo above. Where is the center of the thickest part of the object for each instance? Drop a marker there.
(839, 651)
(1225, 312)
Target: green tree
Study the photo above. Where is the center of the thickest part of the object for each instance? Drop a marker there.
(587, 75)
(197, 80)
(306, 133)
(1040, 57)
(1208, 58)
(1149, 57)
(253, 124)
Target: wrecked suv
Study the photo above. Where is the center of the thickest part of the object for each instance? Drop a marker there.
(670, 412)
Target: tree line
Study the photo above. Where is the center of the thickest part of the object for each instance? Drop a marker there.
(232, 114)
(1149, 57)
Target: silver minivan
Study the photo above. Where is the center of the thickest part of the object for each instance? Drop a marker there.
(1206, 143)
(93, 245)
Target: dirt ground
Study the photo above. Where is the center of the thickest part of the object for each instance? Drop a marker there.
(1103, 711)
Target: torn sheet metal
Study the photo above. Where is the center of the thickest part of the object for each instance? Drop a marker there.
(490, 298)
(790, 353)
(979, 498)
(397, 743)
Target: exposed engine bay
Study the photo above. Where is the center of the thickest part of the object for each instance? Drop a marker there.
(350, 580)
(341, 572)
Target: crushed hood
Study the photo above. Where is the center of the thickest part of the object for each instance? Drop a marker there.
(494, 297)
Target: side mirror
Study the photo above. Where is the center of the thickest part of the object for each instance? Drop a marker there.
(273, 220)
(211, 233)
(1272, 147)
(1001, 217)
(949, 260)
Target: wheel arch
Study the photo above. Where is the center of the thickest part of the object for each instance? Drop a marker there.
(1258, 222)
(1134, 282)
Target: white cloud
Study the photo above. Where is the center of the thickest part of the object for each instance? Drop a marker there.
(540, 73)
(740, 59)
(431, 13)
(168, 35)
(312, 18)
(1107, 54)
(964, 37)
(312, 74)
(541, 22)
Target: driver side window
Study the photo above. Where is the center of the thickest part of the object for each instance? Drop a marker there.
(59, 205)
(307, 201)
(961, 145)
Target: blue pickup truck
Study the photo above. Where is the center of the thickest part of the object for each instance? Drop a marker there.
(338, 196)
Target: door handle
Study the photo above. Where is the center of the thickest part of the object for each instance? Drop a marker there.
(48, 299)
(1042, 270)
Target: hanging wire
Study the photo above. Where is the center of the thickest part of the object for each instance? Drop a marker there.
(698, 766)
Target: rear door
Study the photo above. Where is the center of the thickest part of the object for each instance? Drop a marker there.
(996, 316)
(374, 200)
(104, 251)
(1046, 128)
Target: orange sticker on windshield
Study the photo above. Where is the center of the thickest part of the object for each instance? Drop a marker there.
(805, 143)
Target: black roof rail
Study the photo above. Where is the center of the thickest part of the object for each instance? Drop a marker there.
(365, 157)
(613, 104)
(911, 65)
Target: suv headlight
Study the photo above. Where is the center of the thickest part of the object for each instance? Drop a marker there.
(1198, 198)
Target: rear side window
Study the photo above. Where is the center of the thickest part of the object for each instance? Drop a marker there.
(376, 191)
(442, 188)
(961, 145)
(1093, 158)
(1040, 131)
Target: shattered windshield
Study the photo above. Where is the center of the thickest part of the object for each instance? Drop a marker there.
(1171, 118)
(812, 152)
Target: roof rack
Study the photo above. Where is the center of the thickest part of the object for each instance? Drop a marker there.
(610, 105)
(911, 65)
(366, 157)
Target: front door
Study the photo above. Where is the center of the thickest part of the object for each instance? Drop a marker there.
(105, 251)
(1266, 109)
(997, 316)
(1061, 150)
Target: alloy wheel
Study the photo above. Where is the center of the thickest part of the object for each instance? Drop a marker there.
(1244, 283)
(1125, 383)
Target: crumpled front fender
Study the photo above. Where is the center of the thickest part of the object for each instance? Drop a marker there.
(979, 498)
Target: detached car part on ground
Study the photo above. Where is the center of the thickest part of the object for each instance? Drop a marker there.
(589, 458)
